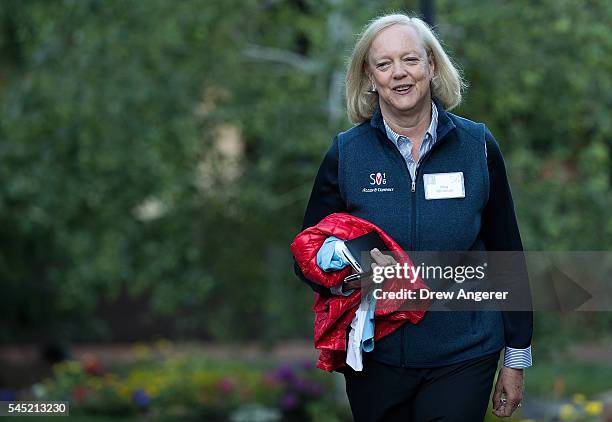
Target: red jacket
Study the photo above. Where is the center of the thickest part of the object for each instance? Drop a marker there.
(334, 314)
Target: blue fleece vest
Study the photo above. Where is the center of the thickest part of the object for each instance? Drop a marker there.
(377, 186)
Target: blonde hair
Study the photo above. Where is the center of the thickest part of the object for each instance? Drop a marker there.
(447, 82)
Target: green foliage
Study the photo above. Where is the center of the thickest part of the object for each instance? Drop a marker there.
(100, 151)
(115, 115)
(542, 86)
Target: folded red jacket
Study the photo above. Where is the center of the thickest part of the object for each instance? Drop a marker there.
(334, 314)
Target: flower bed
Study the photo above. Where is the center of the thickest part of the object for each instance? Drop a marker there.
(195, 387)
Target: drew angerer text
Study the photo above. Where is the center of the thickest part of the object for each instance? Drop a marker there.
(425, 294)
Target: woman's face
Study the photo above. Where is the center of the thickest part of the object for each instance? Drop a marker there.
(401, 70)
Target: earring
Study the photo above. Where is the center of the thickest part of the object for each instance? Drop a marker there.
(373, 89)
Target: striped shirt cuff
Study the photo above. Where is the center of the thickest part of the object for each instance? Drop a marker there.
(517, 358)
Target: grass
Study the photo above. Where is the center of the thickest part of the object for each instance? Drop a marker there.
(548, 379)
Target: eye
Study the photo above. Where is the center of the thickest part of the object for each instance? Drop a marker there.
(382, 65)
(411, 59)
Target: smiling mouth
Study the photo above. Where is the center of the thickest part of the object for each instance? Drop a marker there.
(402, 89)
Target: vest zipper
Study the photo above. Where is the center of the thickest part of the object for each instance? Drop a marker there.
(414, 204)
(413, 228)
(412, 200)
(413, 233)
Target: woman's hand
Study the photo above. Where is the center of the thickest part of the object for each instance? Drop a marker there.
(380, 260)
(510, 385)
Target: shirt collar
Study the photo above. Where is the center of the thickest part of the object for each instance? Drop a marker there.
(431, 132)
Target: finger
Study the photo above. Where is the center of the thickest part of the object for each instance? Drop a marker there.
(507, 408)
(511, 406)
(362, 282)
(390, 258)
(382, 259)
(514, 402)
(500, 411)
(510, 410)
(507, 411)
(497, 395)
(353, 284)
(514, 395)
(378, 257)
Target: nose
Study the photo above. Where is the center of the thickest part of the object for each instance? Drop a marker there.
(399, 71)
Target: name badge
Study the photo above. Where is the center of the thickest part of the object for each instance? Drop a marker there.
(444, 185)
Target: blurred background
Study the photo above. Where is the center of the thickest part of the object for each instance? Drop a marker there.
(155, 162)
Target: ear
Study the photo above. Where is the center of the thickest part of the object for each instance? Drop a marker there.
(432, 63)
(366, 70)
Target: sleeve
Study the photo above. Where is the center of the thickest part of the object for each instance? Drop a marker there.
(517, 358)
(500, 232)
(325, 199)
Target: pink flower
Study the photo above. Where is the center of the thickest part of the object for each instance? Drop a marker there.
(227, 384)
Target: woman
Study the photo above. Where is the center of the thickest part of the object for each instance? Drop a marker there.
(400, 85)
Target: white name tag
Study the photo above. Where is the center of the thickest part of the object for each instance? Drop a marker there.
(444, 185)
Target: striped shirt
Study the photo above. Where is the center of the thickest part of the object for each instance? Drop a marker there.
(404, 144)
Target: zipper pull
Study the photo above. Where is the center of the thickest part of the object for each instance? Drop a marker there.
(413, 186)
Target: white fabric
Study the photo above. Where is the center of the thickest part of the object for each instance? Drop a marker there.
(354, 354)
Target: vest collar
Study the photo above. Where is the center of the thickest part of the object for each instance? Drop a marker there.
(445, 124)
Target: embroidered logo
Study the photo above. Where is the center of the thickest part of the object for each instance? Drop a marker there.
(378, 179)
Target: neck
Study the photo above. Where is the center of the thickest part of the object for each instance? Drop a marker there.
(412, 124)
